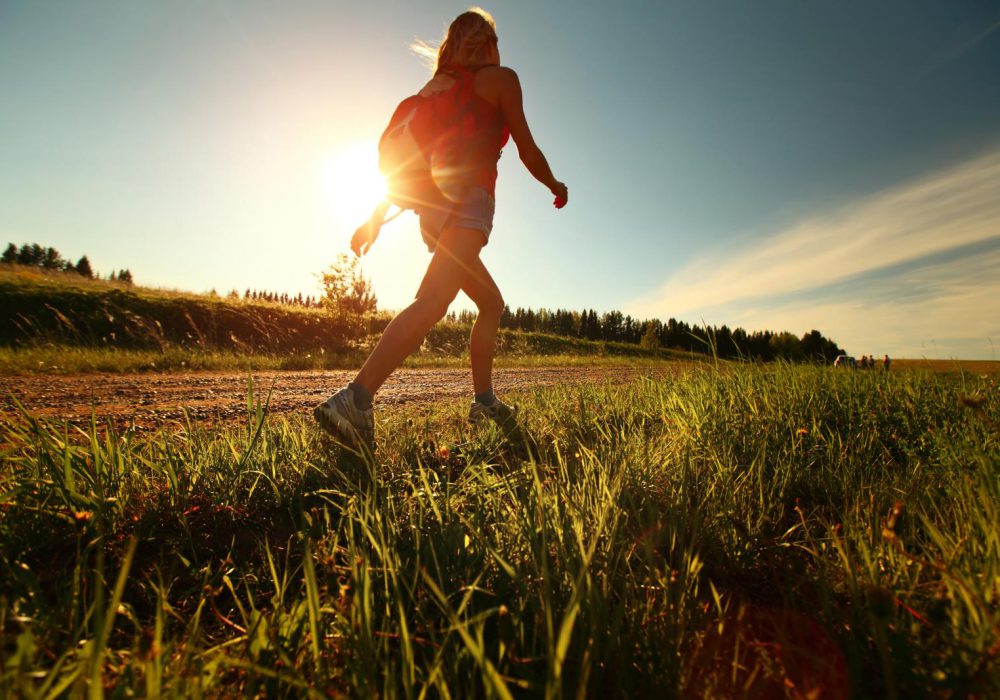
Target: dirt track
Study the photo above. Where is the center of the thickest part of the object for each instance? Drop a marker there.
(151, 399)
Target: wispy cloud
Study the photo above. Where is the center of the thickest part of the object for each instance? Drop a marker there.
(961, 48)
(942, 306)
(905, 267)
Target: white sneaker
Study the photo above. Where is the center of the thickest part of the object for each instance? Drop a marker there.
(340, 417)
(498, 412)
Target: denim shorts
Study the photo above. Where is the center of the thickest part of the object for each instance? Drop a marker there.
(475, 212)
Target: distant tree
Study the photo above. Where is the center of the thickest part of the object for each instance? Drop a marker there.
(819, 349)
(723, 340)
(125, 276)
(465, 317)
(506, 318)
(10, 254)
(83, 268)
(739, 340)
(30, 254)
(787, 346)
(812, 345)
(611, 325)
(593, 326)
(345, 289)
(52, 260)
(628, 330)
(650, 340)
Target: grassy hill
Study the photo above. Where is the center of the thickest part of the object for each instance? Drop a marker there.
(54, 321)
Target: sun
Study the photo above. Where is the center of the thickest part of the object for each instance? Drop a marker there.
(352, 183)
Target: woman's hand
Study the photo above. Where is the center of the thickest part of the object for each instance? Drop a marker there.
(363, 238)
(365, 235)
(561, 193)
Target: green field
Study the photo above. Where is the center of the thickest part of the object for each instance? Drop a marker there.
(751, 532)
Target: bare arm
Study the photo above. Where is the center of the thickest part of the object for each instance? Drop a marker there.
(512, 107)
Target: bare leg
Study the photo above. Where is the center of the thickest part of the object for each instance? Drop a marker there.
(480, 287)
(457, 255)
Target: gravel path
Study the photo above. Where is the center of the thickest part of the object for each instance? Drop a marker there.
(147, 400)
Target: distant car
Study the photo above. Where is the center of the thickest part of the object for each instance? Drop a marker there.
(845, 361)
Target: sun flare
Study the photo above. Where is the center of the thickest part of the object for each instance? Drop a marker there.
(352, 183)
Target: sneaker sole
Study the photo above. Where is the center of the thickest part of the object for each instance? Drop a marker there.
(337, 426)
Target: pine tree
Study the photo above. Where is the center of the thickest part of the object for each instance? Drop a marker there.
(83, 268)
(51, 259)
(10, 254)
(29, 254)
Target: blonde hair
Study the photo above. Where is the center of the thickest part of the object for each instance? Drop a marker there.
(465, 42)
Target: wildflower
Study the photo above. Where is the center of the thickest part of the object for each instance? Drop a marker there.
(82, 516)
(802, 431)
(444, 452)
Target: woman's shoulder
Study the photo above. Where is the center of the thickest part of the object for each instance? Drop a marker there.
(498, 72)
(496, 79)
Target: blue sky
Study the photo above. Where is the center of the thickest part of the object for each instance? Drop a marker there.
(776, 164)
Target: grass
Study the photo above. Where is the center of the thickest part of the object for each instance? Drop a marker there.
(446, 346)
(77, 360)
(959, 366)
(754, 532)
(70, 359)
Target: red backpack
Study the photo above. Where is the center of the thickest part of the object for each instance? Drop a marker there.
(424, 151)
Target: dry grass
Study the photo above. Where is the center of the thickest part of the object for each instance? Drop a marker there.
(966, 366)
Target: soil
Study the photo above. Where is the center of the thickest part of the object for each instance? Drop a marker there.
(149, 400)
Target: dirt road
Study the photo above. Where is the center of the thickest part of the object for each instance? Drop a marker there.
(147, 400)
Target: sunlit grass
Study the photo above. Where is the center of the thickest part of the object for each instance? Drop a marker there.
(757, 531)
(527, 351)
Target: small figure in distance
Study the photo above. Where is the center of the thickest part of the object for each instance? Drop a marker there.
(455, 227)
(885, 363)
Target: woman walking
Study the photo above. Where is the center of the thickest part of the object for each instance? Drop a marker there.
(455, 226)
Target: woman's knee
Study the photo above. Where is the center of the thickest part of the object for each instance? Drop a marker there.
(491, 306)
(435, 302)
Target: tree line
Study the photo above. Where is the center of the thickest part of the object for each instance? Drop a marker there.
(48, 258)
(723, 341)
(306, 302)
(346, 289)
